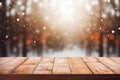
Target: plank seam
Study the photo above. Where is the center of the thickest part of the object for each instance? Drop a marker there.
(69, 65)
(114, 61)
(53, 66)
(36, 65)
(87, 65)
(106, 66)
(7, 61)
(18, 65)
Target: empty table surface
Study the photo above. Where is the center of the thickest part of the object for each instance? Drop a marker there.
(59, 66)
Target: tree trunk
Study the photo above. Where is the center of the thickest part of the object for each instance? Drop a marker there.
(3, 25)
(101, 45)
(24, 43)
(119, 36)
(101, 33)
(24, 33)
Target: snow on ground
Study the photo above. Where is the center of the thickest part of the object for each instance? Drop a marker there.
(67, 52)
(75, 52)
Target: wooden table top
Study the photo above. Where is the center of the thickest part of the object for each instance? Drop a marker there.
(59, 65)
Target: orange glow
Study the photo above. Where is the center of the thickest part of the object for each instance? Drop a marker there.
(112, 36)
(43, 38)
(96, 35)
(29, 41)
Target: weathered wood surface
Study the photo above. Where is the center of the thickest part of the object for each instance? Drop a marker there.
(77, 66)
(70, 65)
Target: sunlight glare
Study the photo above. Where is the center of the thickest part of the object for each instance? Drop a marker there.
(66, 8)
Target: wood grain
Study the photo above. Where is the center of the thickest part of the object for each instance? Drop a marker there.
(97, 67)
(116, 59)
(9, 67)
(78, 66)
(4, 60)
(61, 66)
(110, 64)
(45, 66)
(27, 67)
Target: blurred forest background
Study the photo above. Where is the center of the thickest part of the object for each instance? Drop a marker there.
(59, 28)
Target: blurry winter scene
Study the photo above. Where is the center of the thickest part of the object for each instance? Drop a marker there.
(59, 28)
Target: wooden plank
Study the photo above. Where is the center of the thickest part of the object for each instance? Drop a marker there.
(32, 61)
(78, 66)
(28, 66)
(45, 66)
(97, 67)
(90, 59)
(110, 64)
(61, 66)
(61, 70)
(47, 60)
(4, 60)
(24, 69)
(116, 59)
(61, 60)
(9, 67)
(37, 65)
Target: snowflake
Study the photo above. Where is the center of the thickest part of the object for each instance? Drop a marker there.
(108, 1)
(23, 25)
(119, 28)
(18, 19)
(113, 31)
(23, 13)
(34, 41)
(102, 20)
(0, 4)
(22, 7)
(104, 15)
(92, 13)
(7, 13)
(44, 27)
(19, 2)
(37, 31)
(100, 28)
(6, 36)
